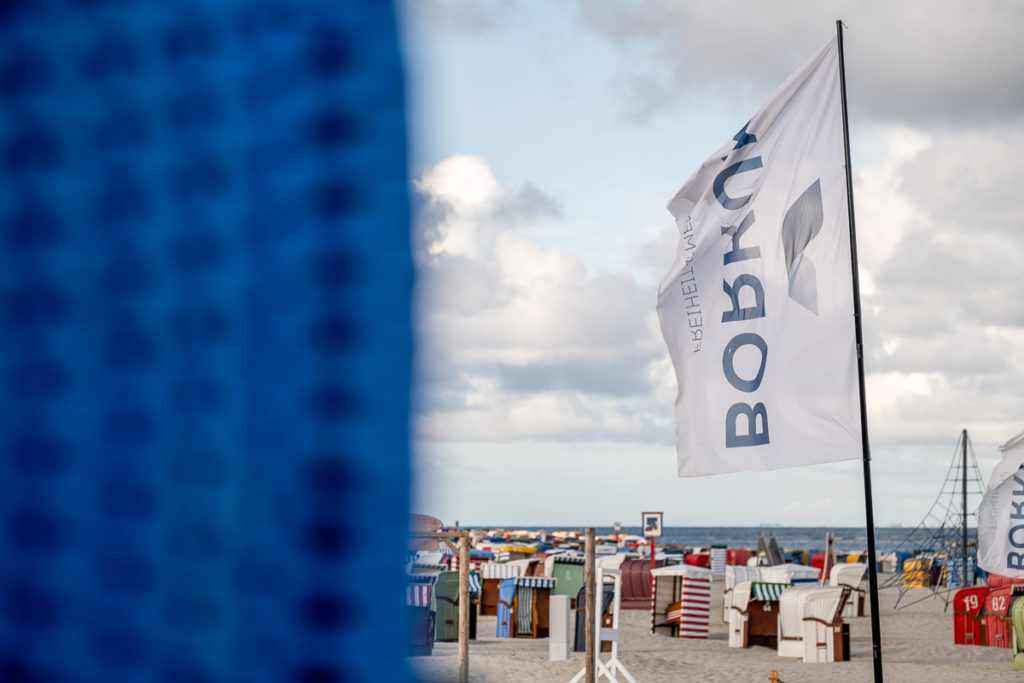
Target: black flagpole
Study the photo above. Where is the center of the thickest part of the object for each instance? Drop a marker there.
(876, 633)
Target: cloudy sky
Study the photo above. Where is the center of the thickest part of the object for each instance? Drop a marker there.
(547, 138)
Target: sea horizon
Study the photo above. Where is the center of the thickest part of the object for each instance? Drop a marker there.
(847, 539)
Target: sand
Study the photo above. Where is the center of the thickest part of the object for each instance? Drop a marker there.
(917, 645)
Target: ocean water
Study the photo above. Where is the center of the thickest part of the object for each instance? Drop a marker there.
(847, 539)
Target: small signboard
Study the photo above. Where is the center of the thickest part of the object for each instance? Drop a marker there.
(423, 524)
(651, 523)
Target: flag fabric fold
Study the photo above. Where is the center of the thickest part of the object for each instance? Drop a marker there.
(757, 310)
(1001, 514)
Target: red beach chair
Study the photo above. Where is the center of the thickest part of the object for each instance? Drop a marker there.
(997, 622)
(968, 623)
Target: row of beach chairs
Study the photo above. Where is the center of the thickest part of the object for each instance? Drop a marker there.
(784, 608)
(991, 617)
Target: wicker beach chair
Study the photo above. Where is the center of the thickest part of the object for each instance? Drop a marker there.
(1018, 634)
(850, 574)
(753, 617)
(825, 639)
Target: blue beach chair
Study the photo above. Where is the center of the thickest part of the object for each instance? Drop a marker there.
(506, 593)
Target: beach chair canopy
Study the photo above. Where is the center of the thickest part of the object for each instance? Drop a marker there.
(495, 570)
(737, 573)
(850, 574)
(763, 590)
(609, 562)
(788, 573)
(418, 595)
(687, 570)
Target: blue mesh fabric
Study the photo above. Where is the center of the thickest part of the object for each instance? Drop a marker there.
(206, 341)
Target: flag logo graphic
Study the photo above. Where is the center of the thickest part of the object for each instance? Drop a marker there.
(801, 225)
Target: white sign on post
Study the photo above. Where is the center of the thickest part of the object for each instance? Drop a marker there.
(651, 523)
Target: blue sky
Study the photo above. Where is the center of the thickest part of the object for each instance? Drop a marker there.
(546, 140)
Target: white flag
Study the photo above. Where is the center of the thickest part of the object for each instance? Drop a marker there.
(757, 309)
(1001, 514)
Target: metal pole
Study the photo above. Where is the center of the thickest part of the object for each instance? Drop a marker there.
(464, 600)
(591, 598)
(876, 630)
(963, 505)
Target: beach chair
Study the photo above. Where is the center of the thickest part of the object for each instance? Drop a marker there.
(1018, 634)
(492, 575)
(968, 623)
(569, 570)
(719, 556)
(791, 620)
(734, 575)
(680, 600)
(826, 638)
(419, 591)
(917, 572)
(530, 607)
(580, 640)
(446, 600)
(852, 575)
(753, 619)
(996, 616)
(810, 623)
(506, 596)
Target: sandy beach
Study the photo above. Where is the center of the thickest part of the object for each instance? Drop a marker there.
(917, 645)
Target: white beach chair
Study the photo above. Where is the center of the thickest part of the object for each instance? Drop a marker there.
(738, 613)
(823, 624)
(753, 619)
(791, 620)
(734, 575)
(851, 575)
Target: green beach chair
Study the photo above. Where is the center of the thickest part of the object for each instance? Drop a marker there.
(1018, 634)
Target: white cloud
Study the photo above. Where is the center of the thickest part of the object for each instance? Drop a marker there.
(904, 64)
(536, 344)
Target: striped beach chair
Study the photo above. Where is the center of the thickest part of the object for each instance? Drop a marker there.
(492, 574)
(753, 619)
(418, 598)
(719, 555)
(531, 606)
(681, 600)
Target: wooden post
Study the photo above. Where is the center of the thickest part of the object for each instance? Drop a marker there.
(592, 601)
(464, 601)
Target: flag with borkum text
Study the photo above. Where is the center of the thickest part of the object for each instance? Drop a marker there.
(757, 309)
(1001, 514)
